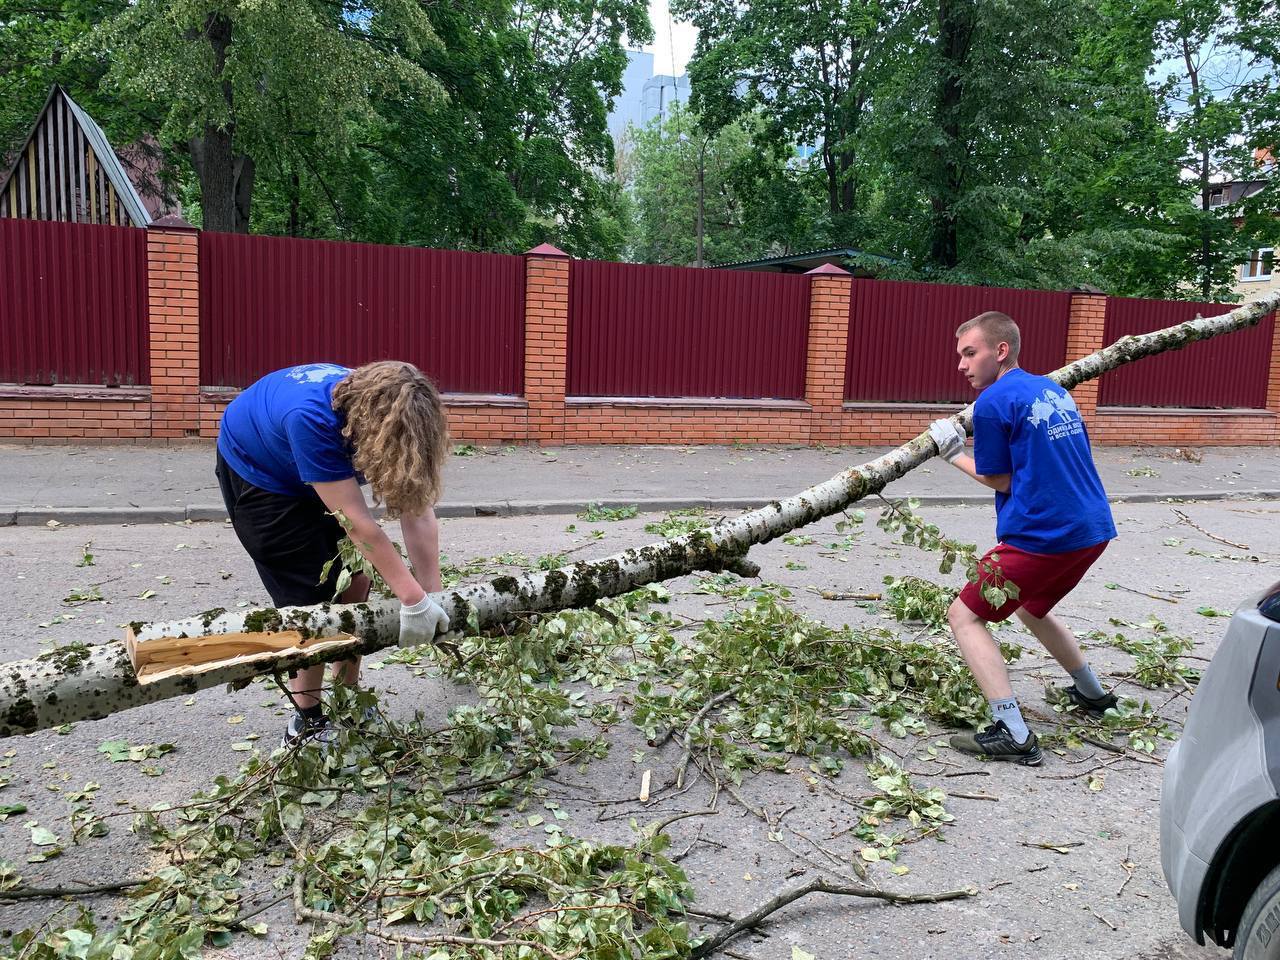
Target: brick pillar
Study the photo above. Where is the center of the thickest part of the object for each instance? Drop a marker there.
(173, 310)
(546, 341)
(1085, 330)
(829, 292)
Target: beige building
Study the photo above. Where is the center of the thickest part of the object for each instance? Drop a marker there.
(1258, 275)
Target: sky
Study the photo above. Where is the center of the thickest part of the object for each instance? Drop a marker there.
(671, 40)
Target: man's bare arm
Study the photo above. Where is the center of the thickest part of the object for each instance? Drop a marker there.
(998, 482)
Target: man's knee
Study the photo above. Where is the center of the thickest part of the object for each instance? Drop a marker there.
(959, 614)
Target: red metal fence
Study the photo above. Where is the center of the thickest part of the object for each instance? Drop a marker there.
(73, 303)
(902, 336)
(269, 302)
(649, 331)
(1224, 372)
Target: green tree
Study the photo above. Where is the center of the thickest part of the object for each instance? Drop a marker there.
(964, 124)
(518, 151)
(749, 201)
(809, 71)
(239, 82)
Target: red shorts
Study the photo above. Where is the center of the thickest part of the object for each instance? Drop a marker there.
(1042, 579)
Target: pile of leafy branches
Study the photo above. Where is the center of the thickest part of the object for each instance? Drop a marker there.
(765, 682)
(1156, 656)
(916, 600)
(392, 828)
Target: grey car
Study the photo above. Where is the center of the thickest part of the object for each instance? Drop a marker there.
(1220, 807)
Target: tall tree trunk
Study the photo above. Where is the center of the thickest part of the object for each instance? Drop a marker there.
(957, 20)
(226, 176)
(1203, 170)
(294, 189)
(84, 683)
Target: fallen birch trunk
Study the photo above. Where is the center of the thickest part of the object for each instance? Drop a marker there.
(83, 683)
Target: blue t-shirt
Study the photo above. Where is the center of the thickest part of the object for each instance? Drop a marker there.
(282, 433)
(1028, 427)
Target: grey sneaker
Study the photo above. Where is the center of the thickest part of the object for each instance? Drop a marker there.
(301, 731)
(1094, 707)
(996, 743)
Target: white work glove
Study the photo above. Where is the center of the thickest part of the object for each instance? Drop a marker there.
(948, 437)
(421, 621)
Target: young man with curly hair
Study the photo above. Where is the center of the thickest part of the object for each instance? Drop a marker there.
(293, 450)
(1052, 522)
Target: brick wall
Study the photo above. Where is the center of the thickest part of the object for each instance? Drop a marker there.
(175, 408)
(82, 415)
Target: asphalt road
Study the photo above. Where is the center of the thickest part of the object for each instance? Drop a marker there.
(1033, 902)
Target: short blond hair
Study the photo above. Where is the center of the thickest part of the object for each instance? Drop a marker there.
(398, 430)
(997, 328)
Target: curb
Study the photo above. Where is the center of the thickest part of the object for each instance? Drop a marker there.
(209, 513)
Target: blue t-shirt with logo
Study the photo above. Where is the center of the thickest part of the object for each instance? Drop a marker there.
(282, 433)
(1028, 427)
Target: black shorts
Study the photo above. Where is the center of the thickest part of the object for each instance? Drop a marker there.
(289, 538)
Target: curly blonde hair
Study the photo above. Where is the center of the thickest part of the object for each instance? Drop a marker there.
(398, 431)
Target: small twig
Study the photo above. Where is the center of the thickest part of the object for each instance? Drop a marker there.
(1102, 918)
(36, 940)
(1182, 517)
(818, 885)
(973, 796)
(817, 846)
(663, 824)
(710, 705)
(827, 595)
(1082, 773)
(1058, 848)
(1143, 593)
(491, 782)
(1128, 866)
(50, 893)
(688, 733)
(239, 922)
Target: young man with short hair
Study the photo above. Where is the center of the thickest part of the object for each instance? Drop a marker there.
(1052, 522)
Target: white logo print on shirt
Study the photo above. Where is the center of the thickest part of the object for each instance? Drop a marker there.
(1058, 404)
(317, 372)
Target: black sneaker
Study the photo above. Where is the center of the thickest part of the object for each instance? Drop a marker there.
(1093, 706)
(996, 743)
(301, 730)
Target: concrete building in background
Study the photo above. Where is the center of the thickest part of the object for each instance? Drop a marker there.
(660, 93)
(628, 108)
(645, 97)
